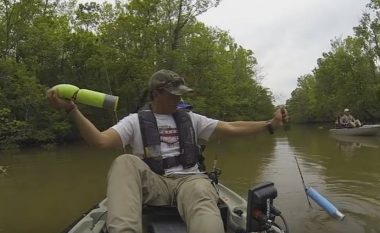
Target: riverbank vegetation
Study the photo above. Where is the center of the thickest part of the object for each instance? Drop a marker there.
(348, 76)
(114, 48)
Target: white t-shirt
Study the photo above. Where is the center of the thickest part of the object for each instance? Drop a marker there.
(130, 134)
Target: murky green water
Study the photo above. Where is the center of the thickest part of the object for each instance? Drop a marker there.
(45, 190)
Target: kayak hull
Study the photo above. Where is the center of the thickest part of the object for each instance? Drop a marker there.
(366, 130)
(233, 209)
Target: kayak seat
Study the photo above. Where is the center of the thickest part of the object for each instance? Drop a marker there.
(162, 219)
(166, 219)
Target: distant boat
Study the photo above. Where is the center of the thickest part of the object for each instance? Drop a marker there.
(365, 130)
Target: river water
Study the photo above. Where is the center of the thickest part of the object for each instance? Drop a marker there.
(44, 190)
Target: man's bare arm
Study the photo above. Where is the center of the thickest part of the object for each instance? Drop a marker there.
(106, 139)
(243, 128)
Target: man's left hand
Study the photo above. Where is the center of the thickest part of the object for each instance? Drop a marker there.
(280, 118)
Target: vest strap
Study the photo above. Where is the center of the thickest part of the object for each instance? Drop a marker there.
(171, 162)
(188, 149)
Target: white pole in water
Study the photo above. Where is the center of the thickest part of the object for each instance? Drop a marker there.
(324, 203)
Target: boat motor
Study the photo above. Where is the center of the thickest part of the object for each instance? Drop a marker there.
(260, 210)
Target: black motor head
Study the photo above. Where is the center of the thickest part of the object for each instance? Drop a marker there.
(260, 206)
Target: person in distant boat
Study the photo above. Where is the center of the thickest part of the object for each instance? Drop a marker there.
(348, 121)
(163, 169)
(337, 122)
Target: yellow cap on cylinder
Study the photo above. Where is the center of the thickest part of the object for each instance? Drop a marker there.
(66, 91)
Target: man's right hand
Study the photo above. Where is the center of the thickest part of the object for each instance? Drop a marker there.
(58, 103)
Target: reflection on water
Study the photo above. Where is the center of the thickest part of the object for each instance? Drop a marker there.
(350, 179)
(350, 143)
(46, 190)
(43, 191)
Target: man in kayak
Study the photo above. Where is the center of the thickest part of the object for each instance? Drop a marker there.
(348, 121)
(163, 169)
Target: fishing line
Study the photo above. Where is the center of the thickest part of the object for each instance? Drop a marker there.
(303, 182)
(110, 91)
(286, 127)
(311, 192)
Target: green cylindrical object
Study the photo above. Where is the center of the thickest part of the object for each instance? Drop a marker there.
(88, 97)
(97, 99)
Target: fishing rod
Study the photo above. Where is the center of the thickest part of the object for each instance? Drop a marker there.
(303, 182)
(309, 191)
(216, 172)
(286, 127)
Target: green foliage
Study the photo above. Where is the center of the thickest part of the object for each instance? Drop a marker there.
(114, 49)
(302, 103)
(346, 77)
(25, 116)
(11, 131)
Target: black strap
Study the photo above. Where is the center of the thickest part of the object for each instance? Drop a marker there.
(171, 162)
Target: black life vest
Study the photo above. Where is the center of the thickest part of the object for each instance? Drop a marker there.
(189, 150)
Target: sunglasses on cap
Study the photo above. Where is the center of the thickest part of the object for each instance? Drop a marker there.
(172, 83)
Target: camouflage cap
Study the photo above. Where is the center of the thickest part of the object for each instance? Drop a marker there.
(169, 81)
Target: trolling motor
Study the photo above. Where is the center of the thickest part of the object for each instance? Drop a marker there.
(260, 210)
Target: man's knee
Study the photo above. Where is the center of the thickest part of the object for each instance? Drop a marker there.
(127, 164)
(126, 157)
(128, 160)
(202, 189)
